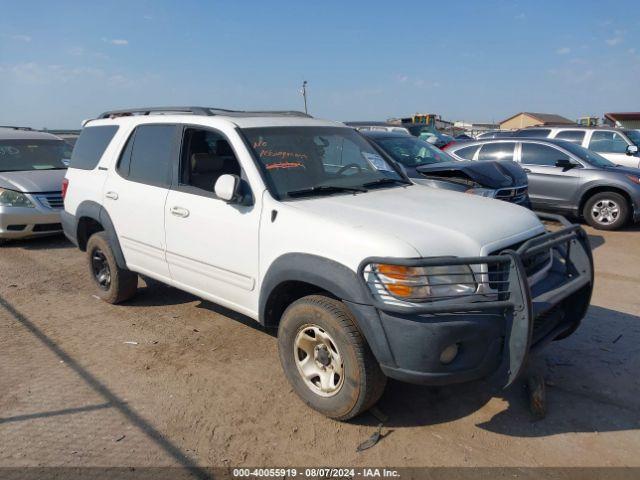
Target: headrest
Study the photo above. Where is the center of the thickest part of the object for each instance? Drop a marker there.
(223, 148)
(205, 163)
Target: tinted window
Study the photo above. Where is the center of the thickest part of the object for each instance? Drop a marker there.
(574, 136)
(467, 152)
(634, 136)
(152, 153)
(534, 132)
(608, 142)
(537, 154)
(91, 144)
(497, 151)
(412, 152)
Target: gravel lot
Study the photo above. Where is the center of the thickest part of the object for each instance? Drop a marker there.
(203, 386)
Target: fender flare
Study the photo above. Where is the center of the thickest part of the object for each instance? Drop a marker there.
(95, 211)
(329, 275)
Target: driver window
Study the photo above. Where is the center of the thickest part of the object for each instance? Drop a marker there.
(206, 155)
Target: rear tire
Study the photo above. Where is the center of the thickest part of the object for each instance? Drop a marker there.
(113, 284)
(341, 376)
(606, 211)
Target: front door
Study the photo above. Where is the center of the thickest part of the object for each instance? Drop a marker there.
(135, 194)
(212, 246)
(549, 186)
(612, 146)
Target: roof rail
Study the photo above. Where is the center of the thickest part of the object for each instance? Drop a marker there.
(14, 127)
(206, 111)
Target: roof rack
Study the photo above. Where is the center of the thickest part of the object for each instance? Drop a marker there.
(206, 111)
(14, 127)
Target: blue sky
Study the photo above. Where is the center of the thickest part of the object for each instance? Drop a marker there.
(61, 62)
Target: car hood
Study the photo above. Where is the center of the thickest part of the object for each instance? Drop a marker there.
(33, 181)
(434, 222)
(492, 174)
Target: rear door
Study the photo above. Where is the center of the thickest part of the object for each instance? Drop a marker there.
(549, 186)
(135, 194)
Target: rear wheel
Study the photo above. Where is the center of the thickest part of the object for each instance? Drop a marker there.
(326, 359)
(114, 284)
(606, 211)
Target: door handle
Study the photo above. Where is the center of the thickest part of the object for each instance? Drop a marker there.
(111, 195)
(179, 212)
(526, 170)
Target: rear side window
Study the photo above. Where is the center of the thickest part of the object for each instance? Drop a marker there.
(574, 136)
(536, 133)
(149, 155)
(91, 145)
(537, 154)
(467, 152)
(497, 151)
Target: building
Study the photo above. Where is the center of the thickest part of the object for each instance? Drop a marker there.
(623, 120)
(528, 119)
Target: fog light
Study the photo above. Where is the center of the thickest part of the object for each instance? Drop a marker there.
(449, 354)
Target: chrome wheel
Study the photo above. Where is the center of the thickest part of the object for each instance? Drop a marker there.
(100, 269)
(605, 211)
(318, 360)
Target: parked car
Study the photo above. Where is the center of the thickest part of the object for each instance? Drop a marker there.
(302, 225)
(494, 134)
(430, 166)
(617, 145)
(377, 126)
(427, 132)
(31, 173)
(567, 178)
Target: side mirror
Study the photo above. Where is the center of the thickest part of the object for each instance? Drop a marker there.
(632, 150)
(565, 164)
(227, 188)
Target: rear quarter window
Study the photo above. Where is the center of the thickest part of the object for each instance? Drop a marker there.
(91, 144)
(467, 152)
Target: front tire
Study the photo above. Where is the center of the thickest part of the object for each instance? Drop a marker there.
(606, 211)
(114, 284)
(327, 360)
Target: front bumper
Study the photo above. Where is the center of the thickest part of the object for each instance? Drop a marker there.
(22, 222)
(494, 333)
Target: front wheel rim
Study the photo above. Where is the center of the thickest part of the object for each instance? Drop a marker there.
(605, 211)
(318, 360)
(100, 268)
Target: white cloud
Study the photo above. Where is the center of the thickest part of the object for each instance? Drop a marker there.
(21, 38)
(147, 17)
(563, 51)
(402, 78)
(116, 41)
(617, 38)
(520, 16)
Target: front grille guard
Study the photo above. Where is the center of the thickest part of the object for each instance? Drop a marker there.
(512, 298)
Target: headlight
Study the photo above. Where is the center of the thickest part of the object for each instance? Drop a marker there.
(483, 192)
(419, 284)
(11, 198)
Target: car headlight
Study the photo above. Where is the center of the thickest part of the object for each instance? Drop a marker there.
(11, 198)
(420, 284)
(483, 192)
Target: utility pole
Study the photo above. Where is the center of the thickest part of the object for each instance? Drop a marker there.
(304, 95)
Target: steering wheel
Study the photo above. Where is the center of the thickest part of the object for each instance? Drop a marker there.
(347, 167)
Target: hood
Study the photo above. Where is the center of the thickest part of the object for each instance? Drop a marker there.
(33, 181)
(434, 222)
(492, 174)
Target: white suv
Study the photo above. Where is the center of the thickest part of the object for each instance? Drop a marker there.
(619, 146)
(303, 225)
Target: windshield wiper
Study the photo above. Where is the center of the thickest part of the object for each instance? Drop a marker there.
(386, 181)
(324, 189)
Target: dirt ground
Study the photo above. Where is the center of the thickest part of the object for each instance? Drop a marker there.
(203, 386)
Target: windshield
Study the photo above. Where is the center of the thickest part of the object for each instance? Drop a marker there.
(412, 152)
(24, 155)
(634, 136)
(588, 156)
(319, 161)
